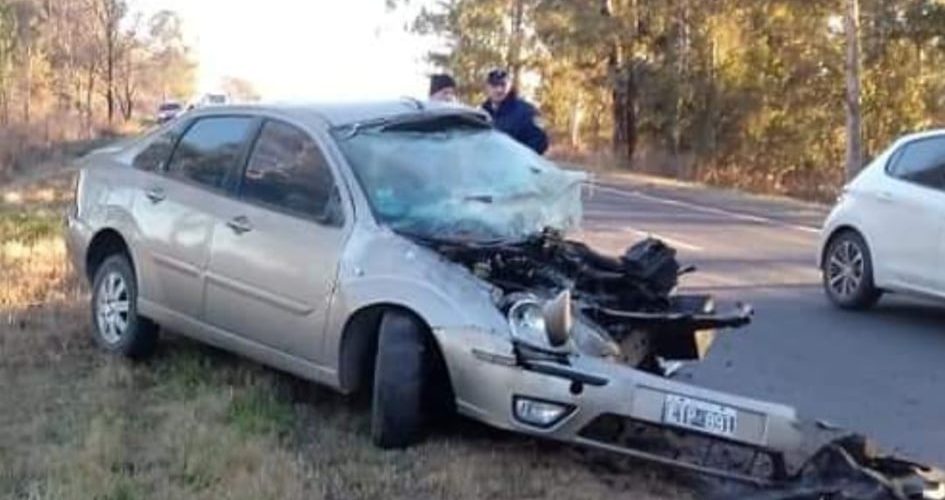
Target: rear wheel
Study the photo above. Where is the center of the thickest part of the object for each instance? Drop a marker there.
(117, 326)
(848, 272)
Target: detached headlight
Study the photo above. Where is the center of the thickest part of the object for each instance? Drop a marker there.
(542, 324)
(527, 322)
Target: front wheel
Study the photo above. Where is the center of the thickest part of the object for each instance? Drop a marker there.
(848, 272)
(397, 403)
(117, 326)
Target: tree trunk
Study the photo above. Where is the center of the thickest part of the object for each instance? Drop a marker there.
(127, 104)
(89, 92)
(28, 101)
(577, 113)
(515, 43)
(624, 92)
(624, 114)
(110, 77)
(854, 120)
(4, 107)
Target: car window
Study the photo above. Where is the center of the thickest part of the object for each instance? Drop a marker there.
(210, 149)
(287, 171)
(922, 162)
(153, 157)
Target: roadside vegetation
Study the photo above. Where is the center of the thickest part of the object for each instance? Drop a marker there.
(741, 93)
(194, 422)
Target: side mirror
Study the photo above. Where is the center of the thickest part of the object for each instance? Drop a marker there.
(558, 321)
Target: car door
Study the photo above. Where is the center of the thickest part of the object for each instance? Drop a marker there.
(174, 209)
(908, 218)
(276, 249)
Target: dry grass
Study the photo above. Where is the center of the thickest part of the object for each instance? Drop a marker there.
(194, 422)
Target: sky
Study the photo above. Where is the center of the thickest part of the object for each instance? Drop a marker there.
(304, 49)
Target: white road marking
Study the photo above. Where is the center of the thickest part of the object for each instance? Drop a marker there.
(672, 241)
(709, 210)
(656, 213)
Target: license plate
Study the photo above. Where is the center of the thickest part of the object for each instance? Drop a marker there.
(700, 415)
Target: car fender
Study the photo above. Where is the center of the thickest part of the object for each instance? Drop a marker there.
(846, 217)
(106, 206)
(386, 270)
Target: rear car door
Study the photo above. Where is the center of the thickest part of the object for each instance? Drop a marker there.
(173, 211)
(908, 219)
(276, 249)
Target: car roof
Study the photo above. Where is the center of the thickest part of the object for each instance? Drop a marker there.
(924, 134)
(341, 114)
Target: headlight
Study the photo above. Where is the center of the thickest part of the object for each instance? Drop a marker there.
(527, 322)
(538, 412)
(545, 325)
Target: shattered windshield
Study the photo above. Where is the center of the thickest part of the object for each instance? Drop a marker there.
(461, 182)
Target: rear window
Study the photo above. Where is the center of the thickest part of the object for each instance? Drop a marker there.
(153, 157)
(210, 150)
(921, 161)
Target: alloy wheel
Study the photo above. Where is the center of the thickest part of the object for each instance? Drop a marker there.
(112, 307)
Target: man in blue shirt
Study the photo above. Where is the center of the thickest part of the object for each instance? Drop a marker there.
(513, 115)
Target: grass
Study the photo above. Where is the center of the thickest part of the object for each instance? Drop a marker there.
(194, 422)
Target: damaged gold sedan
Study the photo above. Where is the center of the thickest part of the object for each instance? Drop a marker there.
(415, 252)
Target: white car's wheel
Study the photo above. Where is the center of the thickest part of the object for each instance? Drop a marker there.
(848, 272)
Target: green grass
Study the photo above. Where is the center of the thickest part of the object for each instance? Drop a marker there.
(29, 226)
(258, 410)
(194, 422)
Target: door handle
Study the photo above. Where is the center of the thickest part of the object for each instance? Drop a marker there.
(885, 196)
(240, 224)
(156, 195)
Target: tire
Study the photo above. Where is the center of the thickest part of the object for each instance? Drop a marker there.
(397, 403)
(848, 273)
(115, 303)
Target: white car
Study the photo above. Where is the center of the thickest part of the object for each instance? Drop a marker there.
(209, 99)
(886, 231)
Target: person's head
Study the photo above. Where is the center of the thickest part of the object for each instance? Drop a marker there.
(442, 88)
(498, 85)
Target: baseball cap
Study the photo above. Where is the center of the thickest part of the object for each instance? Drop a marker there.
(498, 76)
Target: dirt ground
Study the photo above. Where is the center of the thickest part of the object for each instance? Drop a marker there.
(194, 422)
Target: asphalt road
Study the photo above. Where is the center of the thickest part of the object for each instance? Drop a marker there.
(881, 372)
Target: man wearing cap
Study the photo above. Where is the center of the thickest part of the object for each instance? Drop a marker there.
(442, 88)
(513, 115)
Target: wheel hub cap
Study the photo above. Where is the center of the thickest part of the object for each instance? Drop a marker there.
(845, 269)
(112, 308)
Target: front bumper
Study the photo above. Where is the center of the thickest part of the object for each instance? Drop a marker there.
(487, 374)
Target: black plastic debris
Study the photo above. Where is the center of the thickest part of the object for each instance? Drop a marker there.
(850, 468)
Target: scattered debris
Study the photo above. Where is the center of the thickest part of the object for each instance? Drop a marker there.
(850, 468)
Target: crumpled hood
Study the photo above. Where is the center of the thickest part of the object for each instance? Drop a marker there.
(389, 264)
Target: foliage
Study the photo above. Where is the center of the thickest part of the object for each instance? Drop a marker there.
(87, 62)
(740, 92)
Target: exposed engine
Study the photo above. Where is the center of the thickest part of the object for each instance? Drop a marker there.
(625, 307)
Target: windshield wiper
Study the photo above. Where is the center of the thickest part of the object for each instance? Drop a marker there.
(355, 128)
(482, 198)
(409, 121)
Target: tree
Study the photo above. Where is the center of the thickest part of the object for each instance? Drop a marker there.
(63, 63)
(109, 14)
(854, 127)
(239, 89)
